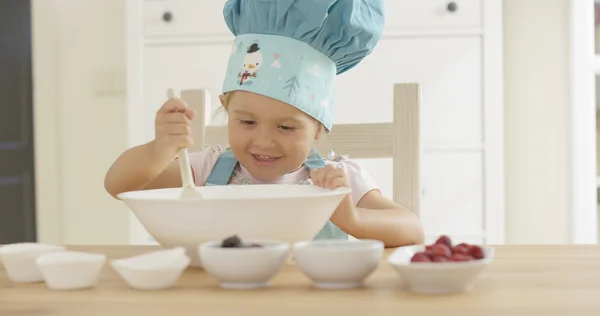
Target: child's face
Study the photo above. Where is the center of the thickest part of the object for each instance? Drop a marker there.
(268, 137)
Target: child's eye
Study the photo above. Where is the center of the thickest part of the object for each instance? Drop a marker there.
(247, 122)
(287, 128)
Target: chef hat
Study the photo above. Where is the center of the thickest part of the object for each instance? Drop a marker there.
(292, 50)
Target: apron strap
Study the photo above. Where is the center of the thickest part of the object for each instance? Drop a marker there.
(223, 169)
(314, 160)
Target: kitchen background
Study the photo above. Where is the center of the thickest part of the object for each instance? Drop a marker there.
(504, 108)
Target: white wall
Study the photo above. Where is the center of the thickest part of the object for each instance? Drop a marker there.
(78, 53)
(536, 130)
(76, 42)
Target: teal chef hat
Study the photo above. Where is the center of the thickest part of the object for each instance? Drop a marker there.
(292, 50)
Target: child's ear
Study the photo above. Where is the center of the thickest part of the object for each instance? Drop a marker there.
(222, 99)
(319, 132)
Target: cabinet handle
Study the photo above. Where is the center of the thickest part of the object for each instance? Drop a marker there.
(167, 16)
(452, 7)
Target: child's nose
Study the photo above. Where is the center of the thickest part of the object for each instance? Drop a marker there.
(263, 141)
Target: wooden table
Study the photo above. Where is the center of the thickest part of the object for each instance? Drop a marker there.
(523, 280)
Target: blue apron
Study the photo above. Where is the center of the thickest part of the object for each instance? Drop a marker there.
(227, 162)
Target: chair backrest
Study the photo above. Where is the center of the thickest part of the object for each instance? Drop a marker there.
(399, 139)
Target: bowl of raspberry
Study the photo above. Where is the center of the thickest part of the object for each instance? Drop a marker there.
(441, 267)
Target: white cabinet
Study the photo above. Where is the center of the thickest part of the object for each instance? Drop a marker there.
(452, 48)
(180, 67)
(449, 71)
(453, 193)
(178, 18)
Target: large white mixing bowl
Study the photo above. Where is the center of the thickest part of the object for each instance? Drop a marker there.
(287, 213)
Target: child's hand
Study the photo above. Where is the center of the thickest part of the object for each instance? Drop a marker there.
(329, 177)
(345, 216)
(173, 128)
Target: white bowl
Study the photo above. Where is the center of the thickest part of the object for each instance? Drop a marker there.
(288, 213)
(156, 270)
(71, 270)
(437, 277)
(338, 264)
(19, 260)
(244, 268)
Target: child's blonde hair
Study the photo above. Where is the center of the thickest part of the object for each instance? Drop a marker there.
(225, 102)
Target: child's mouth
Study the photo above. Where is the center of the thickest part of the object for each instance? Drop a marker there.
(265, 160)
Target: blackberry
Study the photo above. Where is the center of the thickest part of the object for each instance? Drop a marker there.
(231, 242)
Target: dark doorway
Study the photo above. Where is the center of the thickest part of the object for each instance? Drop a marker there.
(17, 195)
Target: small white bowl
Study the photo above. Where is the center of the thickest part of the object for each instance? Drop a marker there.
(338, 264)
(156, 270)
(244, 268)
(437, 277)
(71, 270)
(19, 260)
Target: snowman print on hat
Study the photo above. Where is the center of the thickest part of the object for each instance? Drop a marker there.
(252, 62)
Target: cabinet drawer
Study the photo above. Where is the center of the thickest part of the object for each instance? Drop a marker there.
(178, 18)
(411, 14)
(205, 18)
(452, 201)
(449, 71)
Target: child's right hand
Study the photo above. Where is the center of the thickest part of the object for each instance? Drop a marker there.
(173, 128)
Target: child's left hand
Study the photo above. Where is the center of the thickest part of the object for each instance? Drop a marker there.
(330, 177)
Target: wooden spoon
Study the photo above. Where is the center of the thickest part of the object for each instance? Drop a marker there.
(187, 180)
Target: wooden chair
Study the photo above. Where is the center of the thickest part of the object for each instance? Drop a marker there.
(399, 139)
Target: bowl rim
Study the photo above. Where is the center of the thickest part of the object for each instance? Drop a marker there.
(122, 264)
(359, 245)
(274, 245)
(78, 257)
(438, 265)
(36, 248)
(130, 195)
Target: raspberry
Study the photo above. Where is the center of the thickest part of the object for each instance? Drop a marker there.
(463, 244)
(457, 257)
(476, 252)
(461, 249)
(445, 240)
(441, 250)
(420, 257)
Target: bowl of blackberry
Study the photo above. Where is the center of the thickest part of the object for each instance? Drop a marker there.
(243, 264)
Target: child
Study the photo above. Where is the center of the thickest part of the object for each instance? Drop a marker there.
(278, 95)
